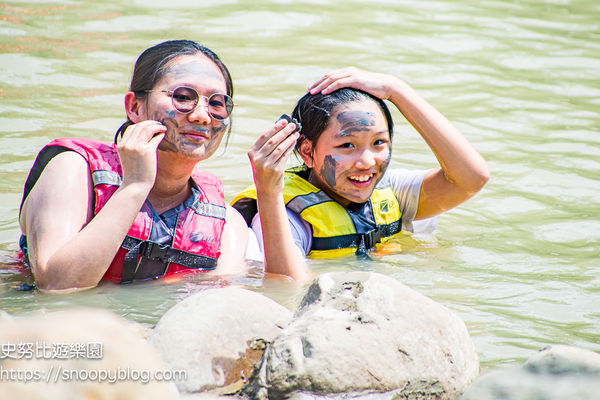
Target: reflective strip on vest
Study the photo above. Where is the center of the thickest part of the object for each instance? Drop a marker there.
(300, 203)
(101, 177)
(209, 210)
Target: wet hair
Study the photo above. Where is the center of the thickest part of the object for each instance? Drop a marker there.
(151, 67)
(314, 112)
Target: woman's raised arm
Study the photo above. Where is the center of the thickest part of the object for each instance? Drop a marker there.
(69, 247)
(268, 156)
(462, 172)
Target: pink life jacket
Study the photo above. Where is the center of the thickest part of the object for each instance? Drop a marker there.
(197, 238)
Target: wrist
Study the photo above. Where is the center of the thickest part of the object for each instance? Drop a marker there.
(268, 191)
(135, 190)
(268, 202)
(397, 90)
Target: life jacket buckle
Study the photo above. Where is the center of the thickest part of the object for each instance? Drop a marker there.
(153, 251)
(370, 239)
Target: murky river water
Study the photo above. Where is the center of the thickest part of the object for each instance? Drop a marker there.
(520, 263)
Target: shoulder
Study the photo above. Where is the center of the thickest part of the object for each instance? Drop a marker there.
(398, 178)
(99, 155)
(406, 185)
(83, 145)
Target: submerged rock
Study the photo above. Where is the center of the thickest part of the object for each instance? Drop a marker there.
(78, 354)
(217, 336)
(555, 373)
(360, 333)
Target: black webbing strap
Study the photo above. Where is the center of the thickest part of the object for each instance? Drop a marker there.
(154, 251)
(361, 241)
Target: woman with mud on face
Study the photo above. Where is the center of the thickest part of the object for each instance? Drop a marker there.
(343, 200)
(140, 208)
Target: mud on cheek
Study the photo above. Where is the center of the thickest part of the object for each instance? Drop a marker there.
(222, 126)
(386, 162)
(328, 170)
(167, 143)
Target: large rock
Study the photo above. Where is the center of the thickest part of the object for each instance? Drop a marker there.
(361, 332)
(49, 356)
(217, 336)
(555, 373)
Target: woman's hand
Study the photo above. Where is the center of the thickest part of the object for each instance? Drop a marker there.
(462, 171)
(269, 155)
(376, 84)
(137, 152)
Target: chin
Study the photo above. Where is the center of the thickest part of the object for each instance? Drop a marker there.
(356, 199)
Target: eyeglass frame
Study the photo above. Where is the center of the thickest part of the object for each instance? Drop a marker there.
(206, 104)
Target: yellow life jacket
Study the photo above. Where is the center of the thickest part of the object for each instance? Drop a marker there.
(333, 226)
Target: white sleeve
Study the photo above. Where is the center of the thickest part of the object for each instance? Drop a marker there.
(406, 185)
(254, 250)
(301, 232)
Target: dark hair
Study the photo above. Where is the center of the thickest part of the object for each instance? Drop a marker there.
(150, 67)
(314, 112)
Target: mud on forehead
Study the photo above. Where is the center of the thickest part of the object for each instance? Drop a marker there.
(195, 65)
(355, 121)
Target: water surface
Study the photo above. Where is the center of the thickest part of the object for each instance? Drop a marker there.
(519, 263)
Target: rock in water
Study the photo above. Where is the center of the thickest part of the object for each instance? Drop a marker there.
(217, 336)
(362, 332)
(84, 353)
(555, 373)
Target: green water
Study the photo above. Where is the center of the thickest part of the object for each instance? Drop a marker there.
(520, 263)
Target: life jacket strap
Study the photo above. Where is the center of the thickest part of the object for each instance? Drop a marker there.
(361, 241)
(164, 253)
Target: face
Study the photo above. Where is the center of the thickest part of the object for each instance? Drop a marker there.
(352, 154)
(195, 135)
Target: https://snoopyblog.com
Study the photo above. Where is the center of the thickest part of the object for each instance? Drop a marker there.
(58, 372)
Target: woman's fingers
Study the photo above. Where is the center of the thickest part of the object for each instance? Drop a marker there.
(269, 134)
(137, 151)
(156, 139)
(373, 83)
(142, 132)
(324, 83)
(290, 142)
(272, 140)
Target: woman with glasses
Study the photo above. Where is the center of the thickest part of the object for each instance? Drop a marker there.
(343, 200)
(140, 208)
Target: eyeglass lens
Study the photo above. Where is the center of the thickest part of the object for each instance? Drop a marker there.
(186, 99)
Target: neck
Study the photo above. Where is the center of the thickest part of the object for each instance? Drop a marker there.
(172, 183)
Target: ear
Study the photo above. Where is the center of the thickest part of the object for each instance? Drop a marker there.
(133, 107)
(306, 152)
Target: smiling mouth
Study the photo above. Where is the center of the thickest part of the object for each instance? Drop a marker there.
(361, 178)
(197, 134)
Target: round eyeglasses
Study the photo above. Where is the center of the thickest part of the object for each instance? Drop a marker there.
(186, 99)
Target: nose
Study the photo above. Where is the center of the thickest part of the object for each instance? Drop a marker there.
(200, 114)
(366, 159)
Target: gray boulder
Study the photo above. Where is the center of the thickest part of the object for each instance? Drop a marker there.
(360, 333)
(555, 373)
(217, 336)
(84, 353)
